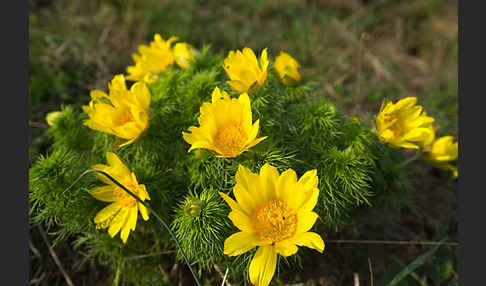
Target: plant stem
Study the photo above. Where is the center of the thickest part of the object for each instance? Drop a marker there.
(410, 160)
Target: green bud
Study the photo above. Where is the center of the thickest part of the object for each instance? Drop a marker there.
(193, 207)
(52, 117)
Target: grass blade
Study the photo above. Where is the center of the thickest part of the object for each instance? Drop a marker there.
(414, 265)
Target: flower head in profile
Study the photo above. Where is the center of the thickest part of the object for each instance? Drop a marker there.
(403, 124)
(274, 213)
(151, 60)
(226, 126)
(121, 214)
(287, 68)
(183, 53)
(123, 113)
(442, 151)
(246, 73)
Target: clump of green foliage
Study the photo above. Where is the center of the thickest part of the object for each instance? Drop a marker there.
(304, 129)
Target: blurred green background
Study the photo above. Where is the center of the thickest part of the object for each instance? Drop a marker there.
(358, 51)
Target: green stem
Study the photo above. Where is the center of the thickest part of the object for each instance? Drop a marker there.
(151, 210)
(410, 160)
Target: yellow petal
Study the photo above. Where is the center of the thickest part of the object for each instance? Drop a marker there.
(268, 179)
(128, 142)
(238, 86)
(107, 212)
(245, 109)
(310, 240)
(244, 176)
(251, 182)
(103, 193)
(142, 191)
(250, 55)
(305, 221)
(241, 220)
(407, 145)
(143, 211)
(253, 132)
(254, 142)
(117, 164)
(233, 205)
(262, 266)
(218, 95)
(311, 202)
(142, 94)
(245, 200)
(97, 94)
(286, 247)
(309, 179)
(286, 186)
(239, 243)
(407, 102)
(417, 134)
(118, 221)
(130, 224)
(201, 145)
(264, 60)
(106, 169)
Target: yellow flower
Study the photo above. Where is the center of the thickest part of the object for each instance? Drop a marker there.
(442, 151)
(244, 71)
(51, 117)
(225, 126)
(122, 213)
(151, 60)
(274, 213)
(127, 113)
(287, 68)
(183, 53)
(402, 124)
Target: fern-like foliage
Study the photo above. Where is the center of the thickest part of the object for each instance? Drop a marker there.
(304, 129)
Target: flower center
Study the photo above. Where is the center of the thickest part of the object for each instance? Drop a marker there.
(274, 221)
(230, 139)
(124, 198)
(125, 117)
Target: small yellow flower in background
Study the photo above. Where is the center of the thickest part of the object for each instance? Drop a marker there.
(287, 68)
(127, 113)
(403, 124)
(122, 213)
(442, 151)
(151, 60)
(245, 72)
(225, 126)
(274, 213)
(51, 117)
(183, 53)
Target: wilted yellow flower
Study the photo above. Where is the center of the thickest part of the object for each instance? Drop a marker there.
(442, 151)
(151, 60)
(183, 53)
(122, 213)
(403, 124)
(245, 72)
(127, 113)
(225, 126)
(274, 213)
(52, 116)
(287, 68)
